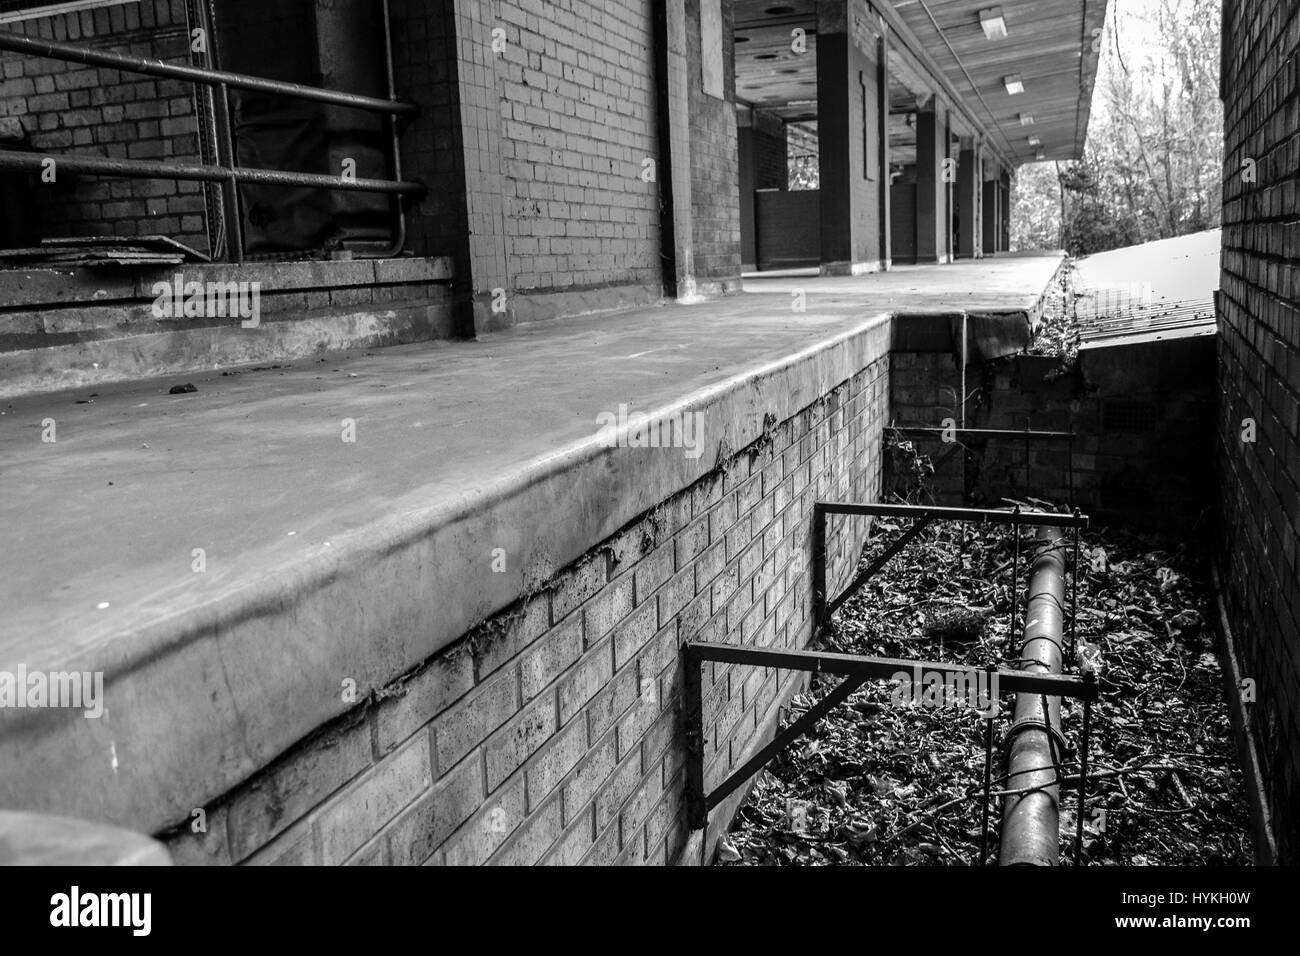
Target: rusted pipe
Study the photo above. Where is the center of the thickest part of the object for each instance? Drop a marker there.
(144, 169)
(32, 46)
(1034, 742)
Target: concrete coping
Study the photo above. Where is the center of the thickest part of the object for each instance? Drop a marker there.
(29, 288)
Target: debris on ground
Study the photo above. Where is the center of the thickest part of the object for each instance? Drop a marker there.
(876, 783)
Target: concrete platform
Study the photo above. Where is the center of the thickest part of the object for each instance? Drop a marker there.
(1155, 292)
(327, 560)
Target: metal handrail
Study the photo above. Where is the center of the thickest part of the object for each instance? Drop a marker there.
(143, 169)
(17, 43)
(229, 174)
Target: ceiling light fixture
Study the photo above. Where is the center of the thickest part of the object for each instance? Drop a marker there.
(1014, 84)
(995, 26)
(1026, 119)
(1035, 141)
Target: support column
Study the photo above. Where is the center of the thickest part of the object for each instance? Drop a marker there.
(970, 238)
(746, 148)
(484, 258)
(993, 212)
(931, 190)
(882, 117)
(848, 134)
(1005, 188)
(677, 225)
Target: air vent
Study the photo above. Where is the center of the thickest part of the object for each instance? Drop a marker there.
(1137, 418)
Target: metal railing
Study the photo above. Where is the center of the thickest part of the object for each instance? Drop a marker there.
(225, 171)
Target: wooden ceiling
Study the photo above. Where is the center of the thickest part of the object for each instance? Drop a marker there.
(769, 74)
(1048, 42)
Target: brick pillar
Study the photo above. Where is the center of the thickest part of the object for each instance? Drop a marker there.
(932, 219)
(484, 185)
(745, 144)
(969, 213)
(993, 211)
(677, 224)
(848, 135)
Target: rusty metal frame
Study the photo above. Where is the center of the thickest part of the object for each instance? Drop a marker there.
(856, 670)
(1027, 435)
(922, 515)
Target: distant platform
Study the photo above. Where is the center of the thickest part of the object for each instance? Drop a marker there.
(1149, 293)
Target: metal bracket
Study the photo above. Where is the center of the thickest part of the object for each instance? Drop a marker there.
(857, 669)
(922, 515)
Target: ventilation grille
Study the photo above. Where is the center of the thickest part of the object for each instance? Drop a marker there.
(1137, 418)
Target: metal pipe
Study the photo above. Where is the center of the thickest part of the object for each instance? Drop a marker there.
(995, 515)
(399, 240)
(1034, 743)
(17, 43)
(233, 216)
(928, 431)
(140, 169)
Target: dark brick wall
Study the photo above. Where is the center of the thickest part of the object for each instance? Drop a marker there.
(788, 229)
(69, 108)
(424, 67)
(770, 167)
(1140, 414)
(425, 71)
(1259, 378)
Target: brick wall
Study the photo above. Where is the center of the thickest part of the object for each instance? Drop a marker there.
(551, 733)
(69, 108)
(1259, 379)
(576, 108)
(1140, 415)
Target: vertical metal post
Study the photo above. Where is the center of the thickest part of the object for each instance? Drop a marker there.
(819, 567)
(988, 775)
(1015, 575)
(1074, 595)
(1028, 482)
(1083, 774)
(229, 188)
(1070, 453)
(697, 815)
(965, 350)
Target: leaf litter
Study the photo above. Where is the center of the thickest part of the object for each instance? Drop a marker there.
(879, 784)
